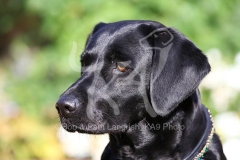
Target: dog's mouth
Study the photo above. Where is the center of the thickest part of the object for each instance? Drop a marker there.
(67, 125)
(89, 128)
(98, 125)
(82, 125)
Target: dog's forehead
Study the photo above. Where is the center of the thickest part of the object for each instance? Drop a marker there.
(122, 35)
(110, 34)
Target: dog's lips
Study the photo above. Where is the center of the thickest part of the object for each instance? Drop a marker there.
(98, 127)
(67, 125)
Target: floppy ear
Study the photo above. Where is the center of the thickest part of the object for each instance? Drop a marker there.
(178, 67)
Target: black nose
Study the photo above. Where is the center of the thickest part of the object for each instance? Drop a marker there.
(66, 106)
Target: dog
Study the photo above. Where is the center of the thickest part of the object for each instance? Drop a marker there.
(139, 84)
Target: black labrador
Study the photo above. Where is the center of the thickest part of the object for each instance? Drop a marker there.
(139, 83)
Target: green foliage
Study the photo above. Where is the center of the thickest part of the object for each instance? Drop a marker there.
(25, 138)
(54, 25)
(38, 36)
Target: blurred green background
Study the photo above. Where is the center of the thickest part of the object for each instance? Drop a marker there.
(36, 38)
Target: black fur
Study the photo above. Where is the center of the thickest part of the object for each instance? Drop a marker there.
(158, 88)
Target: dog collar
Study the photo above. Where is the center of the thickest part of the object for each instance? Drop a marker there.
(195, 154)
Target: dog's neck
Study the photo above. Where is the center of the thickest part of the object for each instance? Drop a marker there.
(175, 139)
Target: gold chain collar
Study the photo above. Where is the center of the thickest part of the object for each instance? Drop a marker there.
(206, 147)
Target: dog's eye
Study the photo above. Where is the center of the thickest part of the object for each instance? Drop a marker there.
(121, 67)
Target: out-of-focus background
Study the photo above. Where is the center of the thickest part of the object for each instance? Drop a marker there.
(36, 38)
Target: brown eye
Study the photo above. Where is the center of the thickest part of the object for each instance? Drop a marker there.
(121, 67)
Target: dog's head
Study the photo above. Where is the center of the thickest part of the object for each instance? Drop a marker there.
(130, 70)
